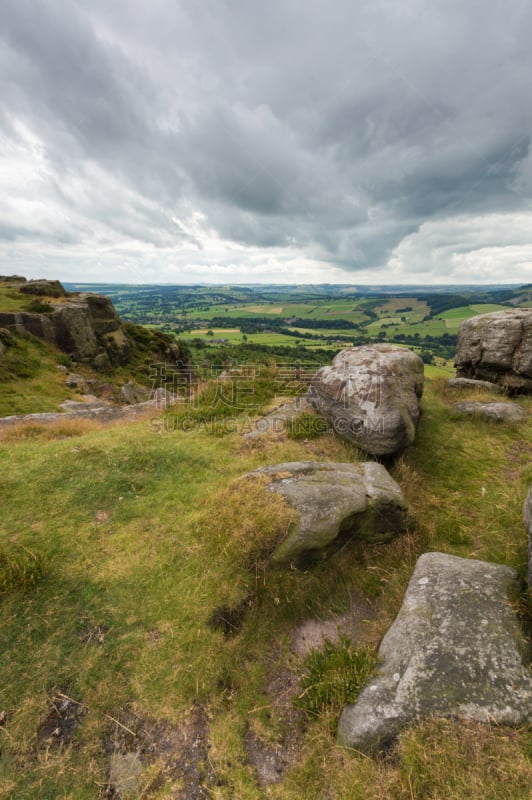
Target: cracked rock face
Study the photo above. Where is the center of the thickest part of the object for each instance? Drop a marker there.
(456, 649)
(335, 502)
(371, 396)
(497, 347)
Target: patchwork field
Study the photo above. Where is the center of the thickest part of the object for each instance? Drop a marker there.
(314, 317)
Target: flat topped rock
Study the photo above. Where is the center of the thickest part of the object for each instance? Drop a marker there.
(456, 650)
(471, 383)
(335, 500)
(104, 412)
(499, 412)
(370, 395)
(43, 287)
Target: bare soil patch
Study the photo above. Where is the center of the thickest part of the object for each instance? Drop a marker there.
(179, 754)
(311, 635)
(62, 721)
(272, 755)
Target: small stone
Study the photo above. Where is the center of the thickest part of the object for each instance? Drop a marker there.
(471, 383)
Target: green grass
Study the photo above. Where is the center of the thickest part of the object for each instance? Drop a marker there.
(29, 377)
(265, 339)
(218, 401)
(455, 316)
(335, 674)
(145, 532)
(234, 337)
(460, 772)
(20, 569)
(12, 300)
(397, 305)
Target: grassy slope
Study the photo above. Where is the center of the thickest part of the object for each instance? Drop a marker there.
(30, 379)
(143, 535)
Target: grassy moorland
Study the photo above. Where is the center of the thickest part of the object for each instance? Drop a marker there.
(144, 631)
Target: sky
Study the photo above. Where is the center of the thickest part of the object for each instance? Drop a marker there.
(287, 141)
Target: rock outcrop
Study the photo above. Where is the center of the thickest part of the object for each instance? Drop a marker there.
(527, 519)
(497, 347)
(499, 412)
(455, 650)
(335, 502)
(43, 288)
(371, 396)
(84, 326)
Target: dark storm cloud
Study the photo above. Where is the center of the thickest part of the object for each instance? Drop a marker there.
(335, 130)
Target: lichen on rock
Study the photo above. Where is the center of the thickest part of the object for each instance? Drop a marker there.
(371, 396)
(335, 501)
(456, 649)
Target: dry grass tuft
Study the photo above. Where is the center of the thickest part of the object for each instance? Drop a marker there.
(66, 428)
(454, 760)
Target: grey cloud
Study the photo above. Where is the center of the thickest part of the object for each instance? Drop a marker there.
(334, 130)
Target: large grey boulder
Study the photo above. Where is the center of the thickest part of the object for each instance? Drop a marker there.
(455, 650)
(499, 412)
(371, 395)
(497, 347)
(527, 519)
(335, 501)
